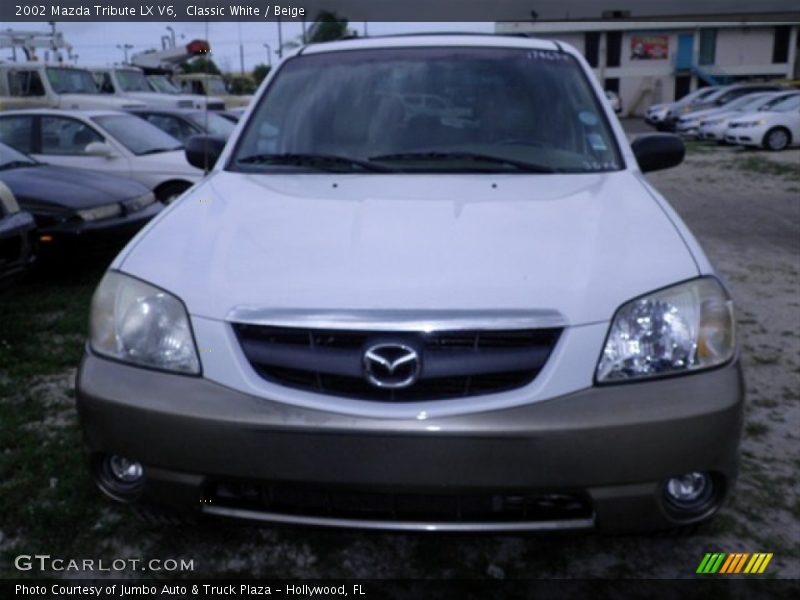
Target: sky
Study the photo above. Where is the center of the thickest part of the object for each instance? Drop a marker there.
(96, 43)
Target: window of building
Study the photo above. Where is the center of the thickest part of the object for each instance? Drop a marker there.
(592, 50)
(708, 47)
(613, 48)
(780, 46)
(683, 85)
(612, 85)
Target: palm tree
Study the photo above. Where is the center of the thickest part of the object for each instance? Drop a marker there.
(326, 28)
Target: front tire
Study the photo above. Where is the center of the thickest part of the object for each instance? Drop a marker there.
(777, 139)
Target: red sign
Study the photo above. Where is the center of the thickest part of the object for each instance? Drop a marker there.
(649, 47)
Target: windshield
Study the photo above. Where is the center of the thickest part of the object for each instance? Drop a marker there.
(698, 95)
(161, 84)
(138, 136)
(746, 102)
(132, 81)
(216, 86)
(785, 104)
(213, 123)
(12, 158)
(71, 81)
(433, 109)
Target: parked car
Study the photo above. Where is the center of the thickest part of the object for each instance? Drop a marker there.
(112, 142)
(714, 126)
(16, 235)
(720, 98)
(364, 320)
(131, 83)
(70, 204)
(163, 84)
(615, 101)
(689, 125)
(773, 129)
(206, 84)
(183, 124)
(656, 114)
(41, 85)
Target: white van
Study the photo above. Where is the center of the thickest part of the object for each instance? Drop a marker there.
(131, 83)
(40, 85)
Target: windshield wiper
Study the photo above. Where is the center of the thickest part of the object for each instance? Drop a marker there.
(157, 150)
(313, 160)
(464, 156)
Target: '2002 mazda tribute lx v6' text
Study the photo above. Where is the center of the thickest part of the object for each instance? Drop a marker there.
(425, 286)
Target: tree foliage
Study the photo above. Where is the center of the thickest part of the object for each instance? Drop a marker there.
(201, 64)
(328, 27)
(260, 71)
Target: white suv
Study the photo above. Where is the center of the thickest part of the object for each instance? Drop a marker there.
(480, 318)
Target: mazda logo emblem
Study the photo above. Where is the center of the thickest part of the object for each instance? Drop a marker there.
(391, 365)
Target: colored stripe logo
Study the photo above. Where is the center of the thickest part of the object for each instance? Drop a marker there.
(730, 564)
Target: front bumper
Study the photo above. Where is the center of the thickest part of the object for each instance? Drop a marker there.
(117, 227)
(614, 445)
(746, 136)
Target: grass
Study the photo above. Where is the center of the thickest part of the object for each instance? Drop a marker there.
(46, 495)
(766, 166)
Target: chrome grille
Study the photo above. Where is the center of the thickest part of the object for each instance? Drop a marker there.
(455, 364)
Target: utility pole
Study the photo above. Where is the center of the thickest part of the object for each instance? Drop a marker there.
(269, 54)
(279, 51)
(125, 48)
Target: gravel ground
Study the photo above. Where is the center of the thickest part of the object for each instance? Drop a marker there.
(745, 211)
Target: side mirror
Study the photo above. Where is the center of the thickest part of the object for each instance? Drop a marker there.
(99, 149)
(658, 151)
(202, 151)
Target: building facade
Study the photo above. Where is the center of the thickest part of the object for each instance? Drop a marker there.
(648, 62)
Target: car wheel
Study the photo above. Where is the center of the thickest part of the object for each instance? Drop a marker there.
(170, 191)
(777, 139)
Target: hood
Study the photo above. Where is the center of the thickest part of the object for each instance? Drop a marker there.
(172, 163)
(757, 115)
(701, 114)
(156, 99)
(68, 189)
(580, 245)
(97, 101)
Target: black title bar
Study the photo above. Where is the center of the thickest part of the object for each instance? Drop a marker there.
(394, 10)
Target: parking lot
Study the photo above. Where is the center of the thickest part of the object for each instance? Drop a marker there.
(743, 205)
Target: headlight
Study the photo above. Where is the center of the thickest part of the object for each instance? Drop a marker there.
(138, 323)
(679, 329)
(759, 123)
(105, 211)
(8, 202)
(141, 202)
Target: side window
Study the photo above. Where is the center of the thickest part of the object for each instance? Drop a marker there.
(175, 127)
(66, 136)
(197, 88)
(103, 81)
(25, 83)
(17, 132)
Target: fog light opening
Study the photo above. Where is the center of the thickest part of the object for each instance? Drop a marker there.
(119, 477)
(124, 470)
(690, 494)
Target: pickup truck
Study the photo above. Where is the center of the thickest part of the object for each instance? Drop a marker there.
(40, 85)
